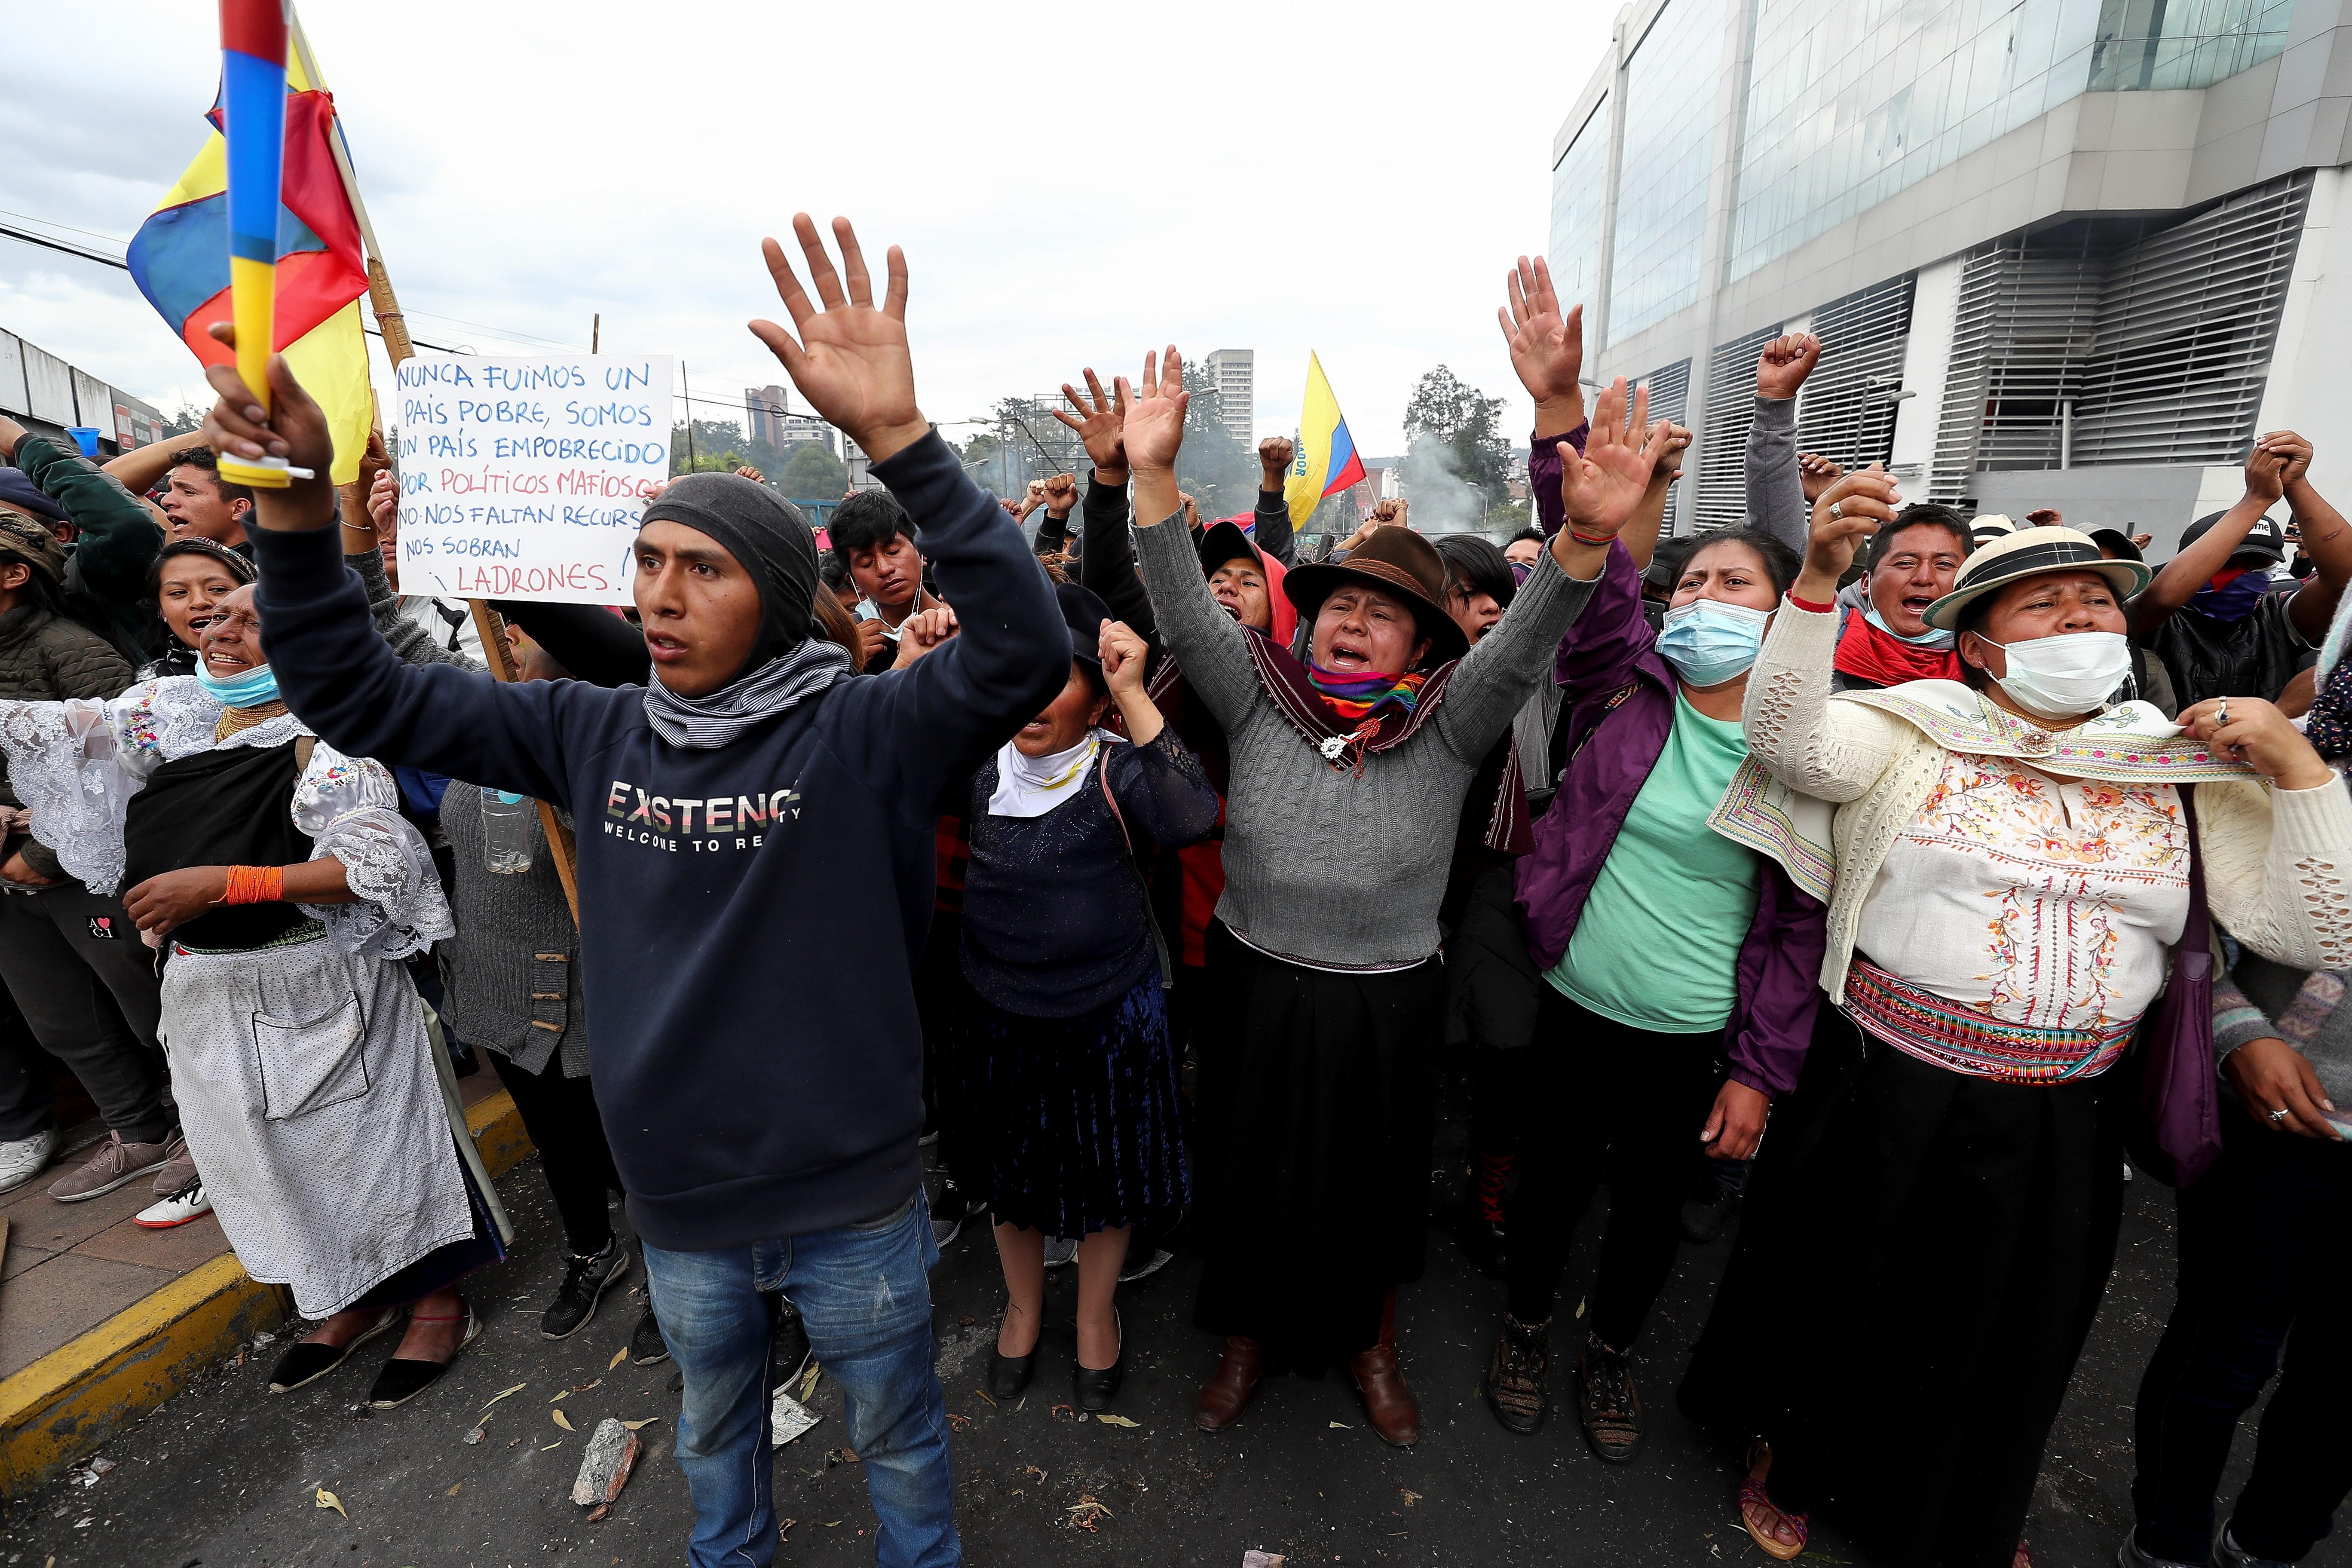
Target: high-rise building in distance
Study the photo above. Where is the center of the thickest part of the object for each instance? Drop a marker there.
(1235, 374)
(2061, 253)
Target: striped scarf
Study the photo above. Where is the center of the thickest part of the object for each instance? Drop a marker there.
(1351, 696)
(702, 723)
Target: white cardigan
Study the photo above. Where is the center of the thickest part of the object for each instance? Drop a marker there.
(2278, 862)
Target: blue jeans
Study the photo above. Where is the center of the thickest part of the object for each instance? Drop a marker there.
(863, 1294)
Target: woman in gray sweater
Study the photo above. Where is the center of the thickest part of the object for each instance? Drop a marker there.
(1352, 753)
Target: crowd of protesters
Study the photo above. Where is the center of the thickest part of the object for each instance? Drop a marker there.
(1982, 856)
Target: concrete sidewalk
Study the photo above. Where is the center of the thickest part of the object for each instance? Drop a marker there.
(100, 1321)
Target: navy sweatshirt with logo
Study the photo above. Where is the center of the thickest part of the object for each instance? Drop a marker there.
(750, 914)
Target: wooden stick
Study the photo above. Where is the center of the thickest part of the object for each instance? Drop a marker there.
(398, 348)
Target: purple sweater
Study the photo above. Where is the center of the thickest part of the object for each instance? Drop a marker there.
(1611, 679)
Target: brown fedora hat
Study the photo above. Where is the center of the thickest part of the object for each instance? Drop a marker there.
(1394, 559)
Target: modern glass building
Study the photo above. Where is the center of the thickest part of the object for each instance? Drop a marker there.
(2068, 253)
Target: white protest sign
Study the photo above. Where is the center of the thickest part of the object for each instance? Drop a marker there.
(526, 479)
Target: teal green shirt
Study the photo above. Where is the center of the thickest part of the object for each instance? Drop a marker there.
(1657, 946)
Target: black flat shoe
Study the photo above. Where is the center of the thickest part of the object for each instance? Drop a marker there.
(1096, 1389)
(308, 1363)
(1009, 1374)
(401, 1381)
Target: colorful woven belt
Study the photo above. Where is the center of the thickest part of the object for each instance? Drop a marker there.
(1951, 1035)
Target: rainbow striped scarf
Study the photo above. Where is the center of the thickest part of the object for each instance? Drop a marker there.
(1351, 697)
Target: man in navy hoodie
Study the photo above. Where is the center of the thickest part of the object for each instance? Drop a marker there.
(756, 868)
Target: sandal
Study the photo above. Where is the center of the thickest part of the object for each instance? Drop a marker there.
(307, 1361)
(1761, 1517)
(401, 1381)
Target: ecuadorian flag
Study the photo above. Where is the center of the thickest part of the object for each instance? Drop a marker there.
(1327, 461)
(180, 257)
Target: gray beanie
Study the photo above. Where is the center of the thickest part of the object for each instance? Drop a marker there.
(768, 535)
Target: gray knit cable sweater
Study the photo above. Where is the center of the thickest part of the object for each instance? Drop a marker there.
(2257, 999)
(1324, 865)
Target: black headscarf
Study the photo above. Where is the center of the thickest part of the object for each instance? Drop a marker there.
(768, 535)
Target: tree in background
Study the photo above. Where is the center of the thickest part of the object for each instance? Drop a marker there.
(811, 472)
(1454, 442)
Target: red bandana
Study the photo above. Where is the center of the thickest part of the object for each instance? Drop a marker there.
(1868, 654)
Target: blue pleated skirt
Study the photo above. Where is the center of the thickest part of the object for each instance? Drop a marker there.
(1067, 1125)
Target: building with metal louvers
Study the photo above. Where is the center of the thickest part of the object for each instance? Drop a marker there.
(2062, 253)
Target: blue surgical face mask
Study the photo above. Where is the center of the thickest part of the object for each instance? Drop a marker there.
(251, 690)
(1931, 637)
(1709, 641)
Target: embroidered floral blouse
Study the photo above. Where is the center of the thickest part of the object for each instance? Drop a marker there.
(2047, 903)
(76, 764)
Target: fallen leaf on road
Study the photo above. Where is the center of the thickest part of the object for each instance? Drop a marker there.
(561, 1394)
(782, 1525)
(518, 1388)
(1087, 1514)
(982, 1393)
(1033, 1470)
(600, 1510)
(618, 1357)
(1341, 1427)
(329, 1500)
(584, 1387)
(1116, 1420)
(808, 1384)
(958, 1423)
(1411, 1497)
(635, 1425)
(557, 1444)
(560, 1421)
(453, 1491)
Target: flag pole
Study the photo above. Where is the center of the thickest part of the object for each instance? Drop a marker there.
(487, 623)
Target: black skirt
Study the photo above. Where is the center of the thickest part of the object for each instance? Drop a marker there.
(1316, 1113)
(1922, 1253)
(1067, 1125)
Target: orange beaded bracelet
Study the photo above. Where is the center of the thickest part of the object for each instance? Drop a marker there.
(255, 885)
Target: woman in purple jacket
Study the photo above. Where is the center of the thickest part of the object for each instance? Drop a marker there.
(1679, 964)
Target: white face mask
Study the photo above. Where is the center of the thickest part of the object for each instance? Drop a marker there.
(2074, 672)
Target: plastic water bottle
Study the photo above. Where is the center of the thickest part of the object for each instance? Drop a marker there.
(506, 831)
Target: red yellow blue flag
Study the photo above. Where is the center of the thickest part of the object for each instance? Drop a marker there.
(181, 256)
(1327, 461)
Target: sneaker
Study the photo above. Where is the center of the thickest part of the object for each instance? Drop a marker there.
(179, 1166)
(116, 1164)
(955, 1206)
(22, 1159)
(645, 1346)
(1144, 1265)
(178, 1207)
(1059, 1250)
(791, 1356)
(2129, 1555)
(1705, 1218)
(2228, 1553)
(584, 1284)
(1607, 1402)
(1516, 1375)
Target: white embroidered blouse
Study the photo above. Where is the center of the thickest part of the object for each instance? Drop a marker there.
(2042, 902)
(76, 765)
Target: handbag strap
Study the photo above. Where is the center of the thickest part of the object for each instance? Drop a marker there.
(2196, 930)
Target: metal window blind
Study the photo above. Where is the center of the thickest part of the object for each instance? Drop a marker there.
(1723, 448)
(1845, 412)
(2187, 325)
(1669, 392)
(2023, 328)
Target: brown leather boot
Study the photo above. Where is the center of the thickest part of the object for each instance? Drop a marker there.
(1227, 1393)
(1388, 1404)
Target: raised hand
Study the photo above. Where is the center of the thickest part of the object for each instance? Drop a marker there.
(294, 429)
(850, 360)
(1785, 363)
(2266, 473)
(1601, 489)
(1122, 653)
(383, 503)
(1097, 426)
(921, 632)
(746, 471)
(1547, 346)
(1815, 474)
(1031, 500)
(1060, 493)
(1273, 455)
(1677, 440)
(1848, 512)
(1152, 412)
(2293, 451)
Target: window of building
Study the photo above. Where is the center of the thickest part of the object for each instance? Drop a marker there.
(1846, 412)
(1723, 445)
(1658, 255)
(1579, 193)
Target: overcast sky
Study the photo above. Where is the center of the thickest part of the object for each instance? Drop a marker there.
(1072, 183)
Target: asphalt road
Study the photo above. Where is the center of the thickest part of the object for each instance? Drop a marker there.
(228, 1475)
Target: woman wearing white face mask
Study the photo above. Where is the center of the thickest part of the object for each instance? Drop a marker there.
(1928, 1238)
(1678, 965)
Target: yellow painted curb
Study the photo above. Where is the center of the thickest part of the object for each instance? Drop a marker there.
(68, 1403)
